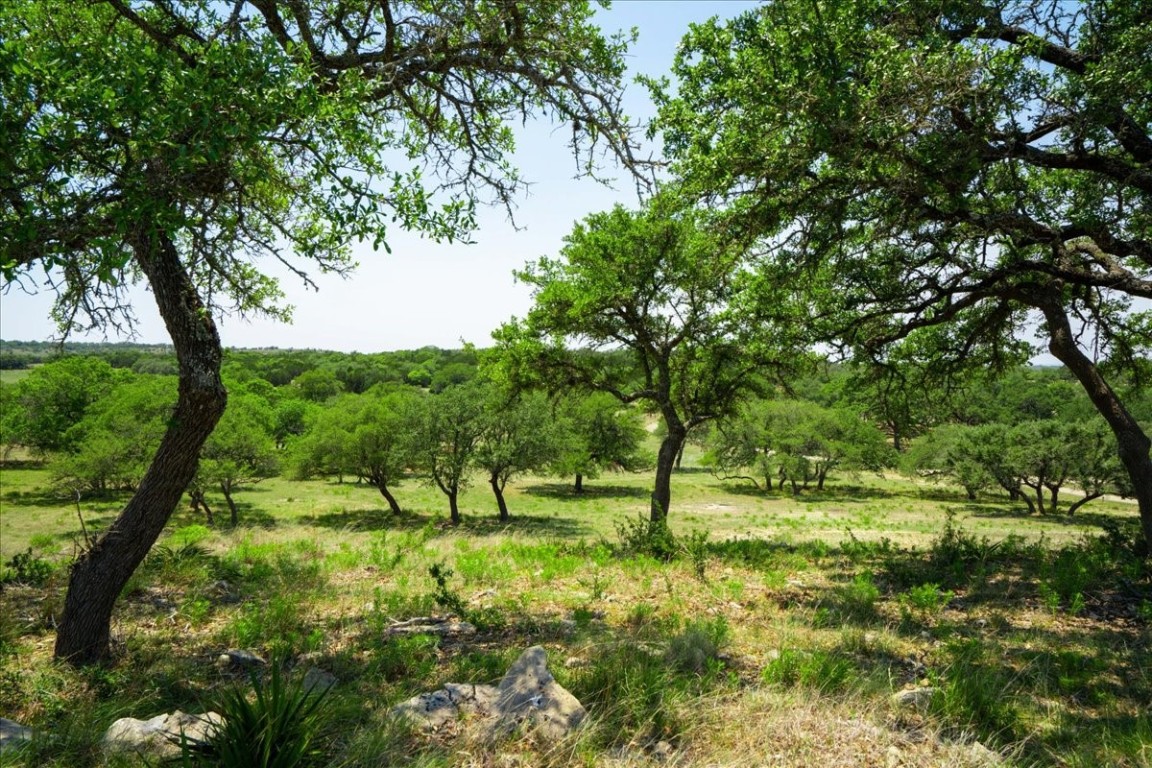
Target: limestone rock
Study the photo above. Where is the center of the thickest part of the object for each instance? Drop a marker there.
(527, 696)
(160, 736)
(432, 711)
(915, 698)
(432, 625)
(318, 680)
(12, 734)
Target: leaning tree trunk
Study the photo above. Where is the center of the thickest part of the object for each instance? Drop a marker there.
(665, 465)
(99, 574)
(233, 514)
(1133, 444)
(392, 503)
(498, 491)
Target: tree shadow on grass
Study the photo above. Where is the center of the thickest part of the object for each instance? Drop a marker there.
(471, 525)
(565, 492)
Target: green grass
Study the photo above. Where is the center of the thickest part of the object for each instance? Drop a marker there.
(794, 618)
(13, 375)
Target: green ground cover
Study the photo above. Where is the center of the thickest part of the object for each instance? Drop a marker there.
(776, 633)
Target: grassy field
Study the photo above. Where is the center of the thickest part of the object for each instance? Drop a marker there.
(774, 632)
(13, 375)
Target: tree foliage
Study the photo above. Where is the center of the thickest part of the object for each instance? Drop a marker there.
(182, 144)
(942, 177)
(680, 304)
(794, 442)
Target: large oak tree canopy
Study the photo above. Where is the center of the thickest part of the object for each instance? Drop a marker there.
(941, 175)
(183, 143)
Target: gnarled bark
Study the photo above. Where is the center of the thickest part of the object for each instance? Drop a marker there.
(100, 574)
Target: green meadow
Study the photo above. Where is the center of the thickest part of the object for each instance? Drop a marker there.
(774, 630)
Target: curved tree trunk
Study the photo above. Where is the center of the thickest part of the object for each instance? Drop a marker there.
(1133, 444)
(665, 465)
(98, 575)
(233, 514)
(498, 491)
(201, 503)
(392, 503)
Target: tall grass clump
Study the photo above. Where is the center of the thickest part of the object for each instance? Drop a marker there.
(274, 728)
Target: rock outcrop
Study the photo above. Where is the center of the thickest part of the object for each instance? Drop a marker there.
(528, 697)
(160, 736)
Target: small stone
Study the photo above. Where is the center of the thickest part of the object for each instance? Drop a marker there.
(235, 657)
(894, 757)
(12, 734)
(575, 662)
(773, 654)
(981, 756)
(318, 680)
(662, 751)
(915, 698)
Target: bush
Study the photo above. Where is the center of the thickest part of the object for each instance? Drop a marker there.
(27, 568)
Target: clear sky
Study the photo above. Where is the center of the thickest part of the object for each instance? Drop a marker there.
(425, 293)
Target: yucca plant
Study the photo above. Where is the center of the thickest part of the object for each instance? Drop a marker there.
(274, 728)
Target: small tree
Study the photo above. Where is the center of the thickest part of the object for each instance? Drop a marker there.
(113, 444)
(519, 436)
(369, 436)
(598, 434)
(240, 450)
(678, 303)
(448, 431)
(799, 442)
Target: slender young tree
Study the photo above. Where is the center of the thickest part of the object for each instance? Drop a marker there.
(179, 144)
(520, 436)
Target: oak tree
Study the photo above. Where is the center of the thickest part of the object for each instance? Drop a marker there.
(941, 176)
(183, 145)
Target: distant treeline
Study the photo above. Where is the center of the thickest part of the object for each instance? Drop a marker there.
(428, 367)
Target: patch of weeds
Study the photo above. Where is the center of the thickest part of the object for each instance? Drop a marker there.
(858, 551)
(696, 650)
(277, 727)
(924, 601)
(818, 669)
(1068, 673)
(853, 603)
(977, 693)
(695, 546)
(27, 568)
(445, 596)
(278, 625)
(631, 694)
(411, 658)
(643, 536)
(196, 610)
(478, 567)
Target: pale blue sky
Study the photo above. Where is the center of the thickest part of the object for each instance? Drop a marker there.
(425, 293)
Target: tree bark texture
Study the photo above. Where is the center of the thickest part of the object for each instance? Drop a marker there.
(665, 465)
(99, 574)
(1133, 444)
(454, 506)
